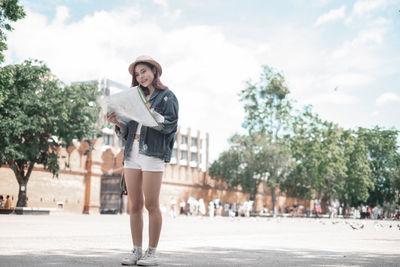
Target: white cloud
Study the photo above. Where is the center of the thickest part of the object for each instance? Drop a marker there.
(162, 3)
(360, 54)
(365, 38)
(334, 14)
(312, 73)
(204, 75)
(321, 2)
(175, 14)
(62, 14)
(204, 67)
(364, 7)
(386, 98)
(375, 113)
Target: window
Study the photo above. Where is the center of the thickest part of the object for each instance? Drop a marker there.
(201, 158)
(193, 156)
(174, 152)
(184, 140)
(194, 141)
(108, 139)
(184, 155)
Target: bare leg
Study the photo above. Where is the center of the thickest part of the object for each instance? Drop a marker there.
(133, 179)
(151, 189)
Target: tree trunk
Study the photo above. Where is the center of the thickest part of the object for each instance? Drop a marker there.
(273, 196)
(344, 209)
(22, 200)
(22, 179)
(253, 193)
(88, 181)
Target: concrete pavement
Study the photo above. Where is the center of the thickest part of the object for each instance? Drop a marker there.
(102, 240)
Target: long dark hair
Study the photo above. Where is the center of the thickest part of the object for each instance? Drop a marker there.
(156, 82)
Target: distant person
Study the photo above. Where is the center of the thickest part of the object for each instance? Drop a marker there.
(318, 210)
(211, 209)
(363, 211)
(308, 212)
(1, 201)
(182, 206)
(146, 152)
(172, 205)
(7, 205)
(202, 207)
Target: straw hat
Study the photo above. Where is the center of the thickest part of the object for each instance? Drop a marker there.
(146, 59)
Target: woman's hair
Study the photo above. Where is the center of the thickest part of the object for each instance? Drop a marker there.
(156, 82)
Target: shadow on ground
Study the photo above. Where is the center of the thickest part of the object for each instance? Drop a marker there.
(204, 256)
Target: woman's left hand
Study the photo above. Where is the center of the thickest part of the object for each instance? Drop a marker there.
(159, 118)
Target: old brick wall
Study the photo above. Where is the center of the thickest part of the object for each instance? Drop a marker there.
(67, 191)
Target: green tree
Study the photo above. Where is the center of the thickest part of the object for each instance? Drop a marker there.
(251, 161)
(268, 114)
(278, 162)
(305, 148)
(39, 114)
(358, 181)
(320, 165)
(241, 165)
(382, 154)
(227, 168)
(395, 177)
(10, 11)
(332, 166)
(266, 105)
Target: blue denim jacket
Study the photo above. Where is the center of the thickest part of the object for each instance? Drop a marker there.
(159, 141)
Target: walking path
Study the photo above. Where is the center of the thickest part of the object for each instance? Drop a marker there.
(102, 240)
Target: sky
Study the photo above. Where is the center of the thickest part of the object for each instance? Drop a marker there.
(341, 57)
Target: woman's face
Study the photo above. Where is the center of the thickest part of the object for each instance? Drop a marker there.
(144, 75)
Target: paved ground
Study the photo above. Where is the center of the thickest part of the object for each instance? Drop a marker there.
(102, 240)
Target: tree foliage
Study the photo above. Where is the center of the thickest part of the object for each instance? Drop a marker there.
(10, 11)
(383, 154)
(266, 104)
(358, 181)
(242, 165)
(268, 114)
(305, 152)
(251, 161)
(309, 158)
(38, 114)
(317, 148)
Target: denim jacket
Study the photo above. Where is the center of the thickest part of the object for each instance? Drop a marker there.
(158, 141)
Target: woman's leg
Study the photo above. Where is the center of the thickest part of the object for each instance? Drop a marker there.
(133, 179)
(151, 189)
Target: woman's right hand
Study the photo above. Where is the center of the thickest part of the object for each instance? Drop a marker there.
(111, 117)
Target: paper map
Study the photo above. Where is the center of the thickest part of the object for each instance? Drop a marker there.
(130, 105)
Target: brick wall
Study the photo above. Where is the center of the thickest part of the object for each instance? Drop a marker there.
(67, 192)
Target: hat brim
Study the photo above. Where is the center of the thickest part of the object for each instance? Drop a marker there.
(150, 61)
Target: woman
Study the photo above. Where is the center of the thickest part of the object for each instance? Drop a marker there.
(146, 151)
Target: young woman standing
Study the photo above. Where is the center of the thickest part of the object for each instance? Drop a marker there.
(146, 151)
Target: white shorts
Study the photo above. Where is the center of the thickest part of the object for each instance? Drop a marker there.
(135, 160)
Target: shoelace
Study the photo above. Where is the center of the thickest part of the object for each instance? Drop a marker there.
(147, 254)
(136, 253)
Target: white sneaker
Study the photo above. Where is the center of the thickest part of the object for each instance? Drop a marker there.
(149, 259)
(133, 258)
